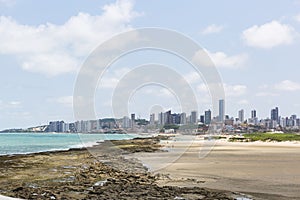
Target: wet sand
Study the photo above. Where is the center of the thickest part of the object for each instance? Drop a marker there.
(264, 170)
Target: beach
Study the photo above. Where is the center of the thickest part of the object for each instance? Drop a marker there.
(104, 171)
(264, 170)
(162, 167)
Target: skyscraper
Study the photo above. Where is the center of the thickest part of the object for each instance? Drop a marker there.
(202, 119)
(275, 114)
(126, 122)
(183, 118)
(175, 118)
(132, 120)
(253, 114)
(56, 126)
(207, 117)
(152, 119)
(194, 117)
(168, 117)
(242, 115)
(161, 118)
(221, 110)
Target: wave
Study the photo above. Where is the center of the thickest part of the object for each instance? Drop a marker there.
(67, 148)
(86, 144)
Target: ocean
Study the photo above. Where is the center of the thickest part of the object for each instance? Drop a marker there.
(25, 143)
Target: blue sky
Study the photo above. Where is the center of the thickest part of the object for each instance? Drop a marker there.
(255, 46)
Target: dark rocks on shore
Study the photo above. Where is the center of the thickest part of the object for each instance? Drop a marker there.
(76, 174)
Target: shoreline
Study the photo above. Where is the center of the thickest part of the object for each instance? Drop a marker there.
(106, 174)
(43, 152)
(78, 141)
(113, 163)
(96, 143)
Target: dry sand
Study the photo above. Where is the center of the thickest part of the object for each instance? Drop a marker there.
(264, 170)
(7, 198)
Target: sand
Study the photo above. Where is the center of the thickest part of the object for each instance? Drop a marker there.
(185, 168)
(264, 170)
(7, 198)
(104, 174)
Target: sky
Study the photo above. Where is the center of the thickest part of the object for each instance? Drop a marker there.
(254, 45)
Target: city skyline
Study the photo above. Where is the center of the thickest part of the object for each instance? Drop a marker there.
(167, 117)
(40, 66)
(204, 123)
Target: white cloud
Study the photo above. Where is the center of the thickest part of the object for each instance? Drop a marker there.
(51, 63)
(109, 83)
(243, 102)
(266, 94)
(273, 89)
(203, 88)
(55, 49)
(8, 2)
(230, 90)
(15, 103)
(269, 35)
(10, 104)
(121, 71)
(220, 59)
(287, 85)
(297, 17)
(192, 77)
(212, 29)
(235, 90)
(161, 92)
(112, 77)
(201, 57)
(66, 101)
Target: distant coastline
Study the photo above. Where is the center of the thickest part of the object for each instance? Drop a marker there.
(30, 131)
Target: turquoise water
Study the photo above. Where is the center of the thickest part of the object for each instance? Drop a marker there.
(24, 143)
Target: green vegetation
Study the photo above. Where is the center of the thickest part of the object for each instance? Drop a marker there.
(171, 126)
(278, 137)
(141, 122)
(188, 126)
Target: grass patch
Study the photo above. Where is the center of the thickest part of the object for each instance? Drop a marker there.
(278, 137)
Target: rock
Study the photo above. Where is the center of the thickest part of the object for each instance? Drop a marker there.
(82, 176)
(17, 189)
